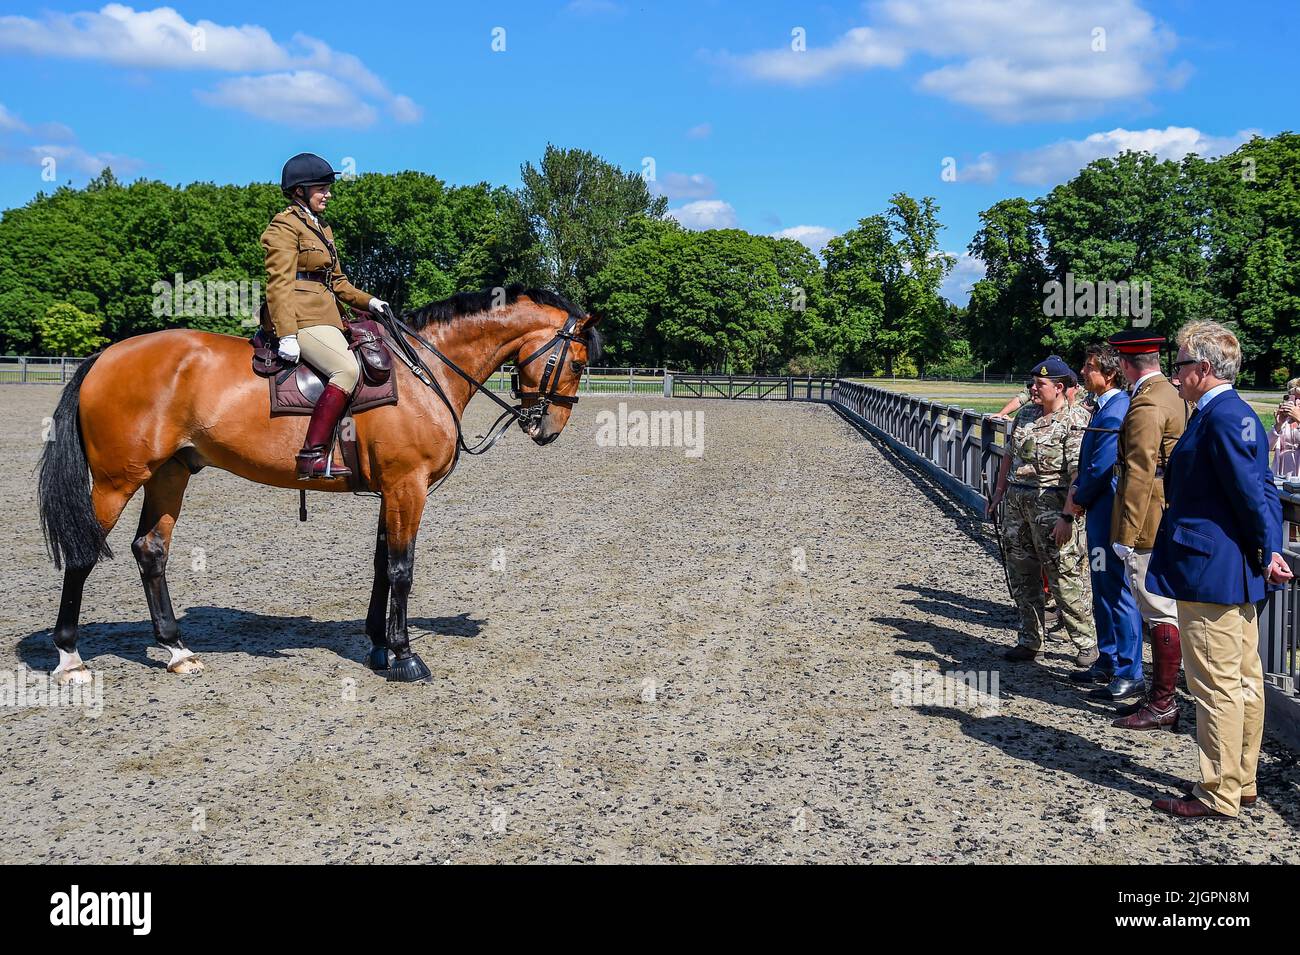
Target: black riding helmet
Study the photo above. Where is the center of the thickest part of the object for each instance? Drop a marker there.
(305, 169)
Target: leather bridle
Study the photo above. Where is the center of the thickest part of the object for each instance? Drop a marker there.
(528, 417)
(547, 387)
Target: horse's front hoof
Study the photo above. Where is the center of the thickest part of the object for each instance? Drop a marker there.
(186, 665)
(379, 659)
(409, 670)
(76, 676)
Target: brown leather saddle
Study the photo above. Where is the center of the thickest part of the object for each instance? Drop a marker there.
(295, 387)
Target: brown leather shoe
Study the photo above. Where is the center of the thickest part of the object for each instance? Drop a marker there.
(1187, 786)
(1149, 718)
(1188, 808)
(1020, 654)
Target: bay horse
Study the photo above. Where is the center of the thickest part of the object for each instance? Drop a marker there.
(153, 410)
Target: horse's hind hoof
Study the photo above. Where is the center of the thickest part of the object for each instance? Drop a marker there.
(409, 670)
(379, 659)
(186, 665)
(76, 676)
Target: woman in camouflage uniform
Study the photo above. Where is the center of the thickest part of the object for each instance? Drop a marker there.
(1042, 536)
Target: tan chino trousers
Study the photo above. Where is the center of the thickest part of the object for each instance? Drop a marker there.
(1226, 678)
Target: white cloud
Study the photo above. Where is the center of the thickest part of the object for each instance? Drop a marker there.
(159, 38)
(54, 132)
(1016, 60)
(1060, 161)
(66, 160)
(46, 142)
(705, 214)
(859, 49)
(701, 131)
(965, 273)
(681, 185)
(405, 110)
(813, 236)
(982, 169)
(9, 123)
(163, 39)
(302, 98)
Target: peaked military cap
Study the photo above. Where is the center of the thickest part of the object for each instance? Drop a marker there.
(1136, 341)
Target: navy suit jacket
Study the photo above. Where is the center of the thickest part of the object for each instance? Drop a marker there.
(1223, 518)
(1094, 488)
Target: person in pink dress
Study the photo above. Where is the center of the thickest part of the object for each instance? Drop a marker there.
(1284, 436)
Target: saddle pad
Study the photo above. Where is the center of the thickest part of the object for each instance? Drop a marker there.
(294, 391)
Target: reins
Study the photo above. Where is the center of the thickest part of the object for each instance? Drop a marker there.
(400, 334)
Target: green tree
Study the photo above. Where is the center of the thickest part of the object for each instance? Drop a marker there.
(883, 280)
(717, 300)
(65, 329)
(577, 209)
(1004, 320)
(862, 271)
(1253, 238)
(1134, 219)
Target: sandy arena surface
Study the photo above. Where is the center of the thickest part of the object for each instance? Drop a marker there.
(629, 666)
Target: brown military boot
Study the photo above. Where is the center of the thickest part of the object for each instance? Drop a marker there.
(1087, 657)
(1020, 654)
(324, 417)
(1160, 709)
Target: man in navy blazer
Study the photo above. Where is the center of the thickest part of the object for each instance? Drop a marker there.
(1218, 549)
(1119, 625)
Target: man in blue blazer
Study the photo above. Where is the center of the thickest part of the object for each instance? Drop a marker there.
(1218, 550)
(1119, 625)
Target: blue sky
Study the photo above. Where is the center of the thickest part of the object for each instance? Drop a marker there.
(774, 117)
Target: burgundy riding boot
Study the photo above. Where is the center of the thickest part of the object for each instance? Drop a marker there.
(324, 417)
(1160, 711)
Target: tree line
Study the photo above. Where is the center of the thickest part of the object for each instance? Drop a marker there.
(1208, 239)
(1203, 238)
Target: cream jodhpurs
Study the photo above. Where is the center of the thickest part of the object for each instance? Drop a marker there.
(325, 348)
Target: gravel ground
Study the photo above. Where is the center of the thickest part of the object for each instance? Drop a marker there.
(638, 655)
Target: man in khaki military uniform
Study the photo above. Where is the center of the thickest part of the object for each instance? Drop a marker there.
(1042, 536)
(305, 289)
(1155, 421)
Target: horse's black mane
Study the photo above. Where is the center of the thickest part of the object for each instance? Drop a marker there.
(472, 303)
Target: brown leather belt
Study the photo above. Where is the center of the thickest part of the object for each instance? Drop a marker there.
(322, 276)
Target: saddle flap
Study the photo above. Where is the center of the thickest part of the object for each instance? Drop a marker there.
(367, 340)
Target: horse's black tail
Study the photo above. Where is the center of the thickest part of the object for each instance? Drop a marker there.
(73, 536)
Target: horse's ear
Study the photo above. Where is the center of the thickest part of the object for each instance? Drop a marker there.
(591, 321)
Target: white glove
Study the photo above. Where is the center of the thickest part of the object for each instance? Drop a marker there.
(1121, 550)
(289, 349)
(377, 306)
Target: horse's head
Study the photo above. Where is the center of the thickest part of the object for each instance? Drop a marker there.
(549, 369)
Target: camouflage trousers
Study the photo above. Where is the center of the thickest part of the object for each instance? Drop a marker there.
(1032, 554)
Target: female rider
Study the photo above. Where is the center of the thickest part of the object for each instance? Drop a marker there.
(305, 293)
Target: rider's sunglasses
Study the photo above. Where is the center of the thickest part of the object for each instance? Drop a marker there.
(1186, 361)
